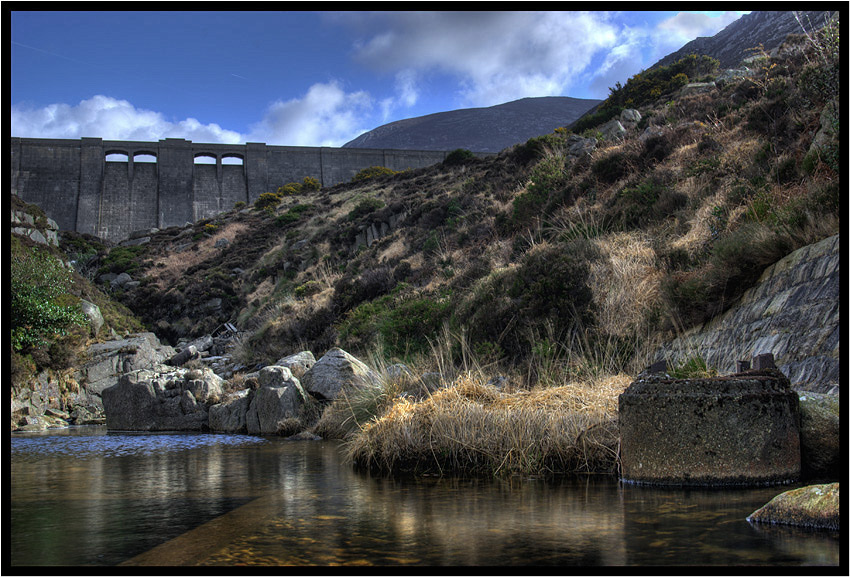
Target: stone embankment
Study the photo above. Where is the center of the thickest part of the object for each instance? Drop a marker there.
(793, 313)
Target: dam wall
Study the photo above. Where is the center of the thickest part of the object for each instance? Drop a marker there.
(80, 185)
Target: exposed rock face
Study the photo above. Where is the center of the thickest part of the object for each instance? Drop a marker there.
(732, 44)
(736, 430)
(162, 400)
(815, 506)
(335, 371)
(820, 435)
(24, 224)
(111, 359)
(488, 129)
(793, 312)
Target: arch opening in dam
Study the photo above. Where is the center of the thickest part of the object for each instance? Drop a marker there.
(111, 188)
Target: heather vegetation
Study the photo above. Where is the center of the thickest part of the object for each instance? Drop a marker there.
(554, 276)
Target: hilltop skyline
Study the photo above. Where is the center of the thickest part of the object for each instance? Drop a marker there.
(313, 78)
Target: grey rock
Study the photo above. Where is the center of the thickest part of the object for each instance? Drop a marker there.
(275, 410)
(298, 364)
(612, 130)
(820, 434)
(230, 416)
(697, 88)
(120, 280)
(92, 312)
(335, 371)
(184, 356)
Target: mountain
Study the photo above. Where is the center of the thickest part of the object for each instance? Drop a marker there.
(489, 129)
(733, 43)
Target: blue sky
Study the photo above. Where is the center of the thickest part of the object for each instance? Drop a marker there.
(313, 78)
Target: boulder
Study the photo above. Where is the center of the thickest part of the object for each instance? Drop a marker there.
(820, 433)
(741, 429)
(298, 364)
(188, 354)
(229, 416)
(612, 130)
(92, 312)
(120, 280)
(335, 371)
(629, 118)
(697, 88)
(275, 410)
(578, 146)
(815, 506)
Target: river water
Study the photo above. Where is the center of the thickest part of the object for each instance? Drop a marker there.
(82, 496)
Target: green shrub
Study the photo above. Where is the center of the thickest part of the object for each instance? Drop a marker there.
(267, 200)
(40, 310)
(373, 172)
(311, 287)
(548, 179)
(693, 368)
(122, 259)
(310, 184)
(365, 206)
(548, 290)
(458, 157)
(293, 214)
(611, 168)
(536, 148)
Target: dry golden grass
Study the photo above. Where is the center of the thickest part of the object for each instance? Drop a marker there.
(626, 283)
(171, 266)
(473, 428)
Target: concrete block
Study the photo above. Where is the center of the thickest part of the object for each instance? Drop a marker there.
(736, 430)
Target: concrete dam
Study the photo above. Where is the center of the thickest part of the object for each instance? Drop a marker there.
(173, 181)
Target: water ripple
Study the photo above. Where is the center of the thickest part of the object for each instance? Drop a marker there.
(121, 445)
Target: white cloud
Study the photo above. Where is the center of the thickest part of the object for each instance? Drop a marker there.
(685, 26)
(325, 116)
(497, 56)
(110, 119)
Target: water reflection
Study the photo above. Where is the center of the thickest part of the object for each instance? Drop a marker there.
(88, 497)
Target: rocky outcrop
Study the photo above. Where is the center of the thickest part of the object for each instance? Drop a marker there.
(792, 312)
(737, 430)
(42, 232)
(162, 399)
(109, 360)
(815, 506)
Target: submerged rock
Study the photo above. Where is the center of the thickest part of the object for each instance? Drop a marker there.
(815, 506)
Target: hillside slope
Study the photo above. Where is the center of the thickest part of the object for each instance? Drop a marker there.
(488, 129)
(567, 256)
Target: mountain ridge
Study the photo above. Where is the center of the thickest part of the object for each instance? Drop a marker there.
(485, 129)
